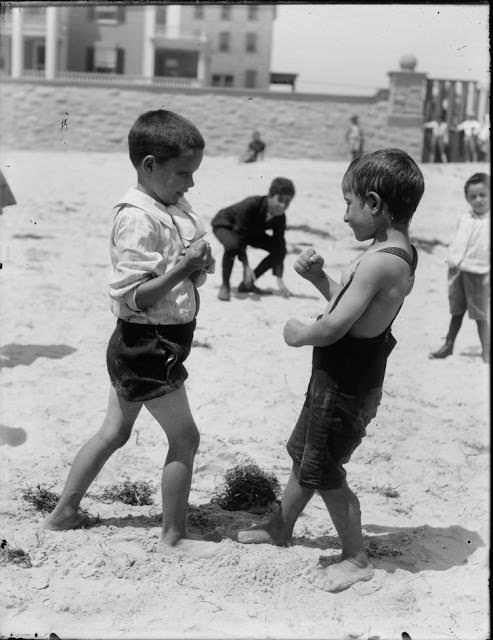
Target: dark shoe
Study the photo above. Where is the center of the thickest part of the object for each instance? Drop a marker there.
(444, 351)
(224, 293)
(243, 288)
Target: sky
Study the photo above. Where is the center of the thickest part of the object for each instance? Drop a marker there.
(350, 48)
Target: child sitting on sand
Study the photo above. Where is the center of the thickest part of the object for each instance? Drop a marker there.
(159, 258)
(352, 341)
(469, 267)
(245, 224)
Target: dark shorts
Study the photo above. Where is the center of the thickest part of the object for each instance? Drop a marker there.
(330, 427)
(146, 361)
(468, 292)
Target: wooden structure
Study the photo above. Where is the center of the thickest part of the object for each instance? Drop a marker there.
(451, 101)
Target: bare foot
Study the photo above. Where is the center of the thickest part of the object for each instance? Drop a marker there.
(75, 521)
(197, 548)
(258, 534)
(341, 575)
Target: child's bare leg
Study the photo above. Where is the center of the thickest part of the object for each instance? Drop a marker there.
(172, 411)
(484, 337)
(448, 347)
(344, 510)
(279, 530)
(113, 434)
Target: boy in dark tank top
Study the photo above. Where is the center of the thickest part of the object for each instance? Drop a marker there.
(351, 343)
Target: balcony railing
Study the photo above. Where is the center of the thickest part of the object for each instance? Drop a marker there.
(172, 32)
(116, 78)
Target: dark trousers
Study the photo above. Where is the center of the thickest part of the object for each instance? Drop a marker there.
(231, 242)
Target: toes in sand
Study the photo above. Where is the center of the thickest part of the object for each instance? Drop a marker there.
(341, 575)
(194, 548)
(77, 521)
(258, 534)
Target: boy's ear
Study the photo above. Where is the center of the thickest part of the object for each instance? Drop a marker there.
(375, 202)
(148, 163)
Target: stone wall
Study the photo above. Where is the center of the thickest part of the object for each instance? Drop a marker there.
(50, 115)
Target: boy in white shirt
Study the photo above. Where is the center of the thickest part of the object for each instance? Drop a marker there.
(469, 267)
(159, 258)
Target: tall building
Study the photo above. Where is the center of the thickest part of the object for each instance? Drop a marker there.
(222, 45)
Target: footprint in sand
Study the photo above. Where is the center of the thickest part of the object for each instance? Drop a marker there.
(193, 548)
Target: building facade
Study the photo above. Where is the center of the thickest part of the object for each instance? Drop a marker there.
(222, 45)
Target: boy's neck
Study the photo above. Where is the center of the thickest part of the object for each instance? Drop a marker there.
(395, 231)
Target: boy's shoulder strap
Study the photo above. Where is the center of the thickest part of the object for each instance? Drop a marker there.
(401, 253)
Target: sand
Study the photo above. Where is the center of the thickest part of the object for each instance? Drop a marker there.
(421, 473)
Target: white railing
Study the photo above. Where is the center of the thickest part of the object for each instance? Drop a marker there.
(117, 78)
(176, 33)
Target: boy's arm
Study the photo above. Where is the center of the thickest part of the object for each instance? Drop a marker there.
(196, 257)
(309, 266)
(333, 326)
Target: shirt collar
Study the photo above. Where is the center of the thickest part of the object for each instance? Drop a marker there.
(147, 203)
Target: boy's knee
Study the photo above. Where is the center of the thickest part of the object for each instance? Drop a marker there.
(188, 439)
(114, 440)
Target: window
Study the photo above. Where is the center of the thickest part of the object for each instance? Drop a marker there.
(161, 14)
(251, 42)
(198, 12)
(225, 12)
(224, 41)
(252, 12)
(105, 14)
(250, 79)
(219, 80)
(105, 58)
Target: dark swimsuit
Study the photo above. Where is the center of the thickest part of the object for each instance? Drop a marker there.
(343, 395)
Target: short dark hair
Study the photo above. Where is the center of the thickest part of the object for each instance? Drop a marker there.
(391, 173)
(477, 178)
(162, 134)
(281, 187)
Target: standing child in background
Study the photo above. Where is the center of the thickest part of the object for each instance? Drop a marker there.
(255, 149)
(352, 341)
(469, 267)
(6, 196)
(354, 138)
(245, 224)
(159, 257)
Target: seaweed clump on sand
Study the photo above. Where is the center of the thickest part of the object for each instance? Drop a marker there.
(14, 555)
(247, 488)
(133, 493)
(40, 498)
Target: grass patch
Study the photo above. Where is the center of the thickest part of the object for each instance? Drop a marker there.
(135, 493)
(199, 343)
(40, 498)
(387, 491)
(14, 555)
(247, 488)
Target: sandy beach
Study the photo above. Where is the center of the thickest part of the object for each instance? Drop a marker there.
(422, 472)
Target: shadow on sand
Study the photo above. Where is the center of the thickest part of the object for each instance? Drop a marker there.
(12, 436)
(12, 355)
(413, 549)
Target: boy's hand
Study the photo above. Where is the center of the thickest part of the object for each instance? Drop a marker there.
(197, 256)
(309, 265)
(292, 331)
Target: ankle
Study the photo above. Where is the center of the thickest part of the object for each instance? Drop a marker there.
(359, 558)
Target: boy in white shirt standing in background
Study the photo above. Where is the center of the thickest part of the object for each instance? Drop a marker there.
(469, 267)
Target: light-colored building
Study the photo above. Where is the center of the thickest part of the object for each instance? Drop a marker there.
(198, 45)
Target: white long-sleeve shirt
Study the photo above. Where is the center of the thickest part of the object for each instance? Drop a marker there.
(147, 239)
(470, 249)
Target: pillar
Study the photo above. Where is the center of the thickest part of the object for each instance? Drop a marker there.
(173, 19)
(407, 94)
(17, 51)
(51, 42)
(148, 41)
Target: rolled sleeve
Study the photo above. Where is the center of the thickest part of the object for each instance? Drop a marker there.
(134, 255)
